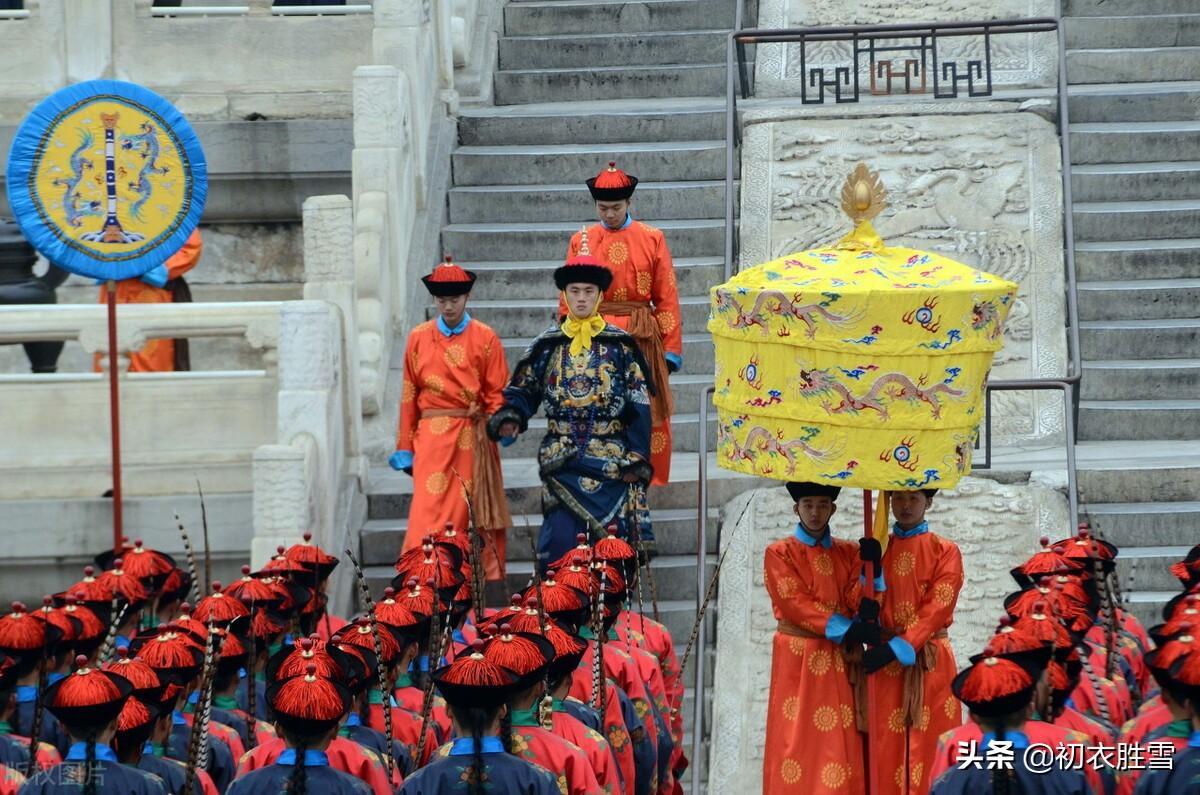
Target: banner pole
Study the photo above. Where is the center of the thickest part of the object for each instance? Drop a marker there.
(114, 404)
(873, 784)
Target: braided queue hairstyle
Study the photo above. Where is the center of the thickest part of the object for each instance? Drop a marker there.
(86, 702)
(307, 709)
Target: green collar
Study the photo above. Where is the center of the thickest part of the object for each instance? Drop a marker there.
(5, 727)
(158, 749)
(225, 702)
(404, 680)
(586, 632)
(557, 705)
(1179, 728)
(188, 708)
(374, 696)
(524, 717)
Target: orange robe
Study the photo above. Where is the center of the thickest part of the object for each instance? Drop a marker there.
(465, 372)
(923, 574)
(643, 273)
(159, 355)
(813, 745)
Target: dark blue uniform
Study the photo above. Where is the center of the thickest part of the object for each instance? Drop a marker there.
(320, 778)
(111, 777)
(1182, 779)
(52, 732)
(505, 774)
(354, 730)
(171, 771)
(976, 781)
(221, 764)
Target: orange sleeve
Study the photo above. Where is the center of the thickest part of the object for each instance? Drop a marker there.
(186, 257)
(494, 376)
(407, 427)
(852, 592)
(937, 608)
(665, 294)
(790, 602)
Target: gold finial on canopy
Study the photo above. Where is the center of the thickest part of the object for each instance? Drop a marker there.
(863, 196)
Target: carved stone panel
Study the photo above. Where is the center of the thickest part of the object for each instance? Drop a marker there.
(982, 188)
(1019, 59)
(996, 526)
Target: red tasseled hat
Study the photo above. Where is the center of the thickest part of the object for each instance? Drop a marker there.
(253, 590)
(581, 554)
(312, 557)
(88, 698)
(614, 549)
(994, 686)
(176, 586)
(612, 184)
(361, 668)
(1045, 561)
(188, 628)
(417, 598)
(448, 280)
(147, 685)
(171, 655)
(148, 565)
(219, 608)
(92, 630)
(266, 624)
(134, 717)
(68, 625)
(1185, 614)
(525, 655)
(441, 563)
(23, 631)
(1044, 626)
(92, 589)
(129, 587)
(281, 564)
(359, 634)
(473, 680)
(1188, 569)
(583, 268)
(293, 660)
(398, 615)
(450, 535)
(1084, 547)
(1058, 678)
(580, 578)
(309, 704)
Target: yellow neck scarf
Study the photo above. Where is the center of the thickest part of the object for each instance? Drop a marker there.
(581, 330)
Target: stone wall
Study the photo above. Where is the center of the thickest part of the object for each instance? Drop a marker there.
(996, 526)
(976, 181)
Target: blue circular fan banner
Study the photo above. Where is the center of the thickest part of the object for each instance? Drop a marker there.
(106, 179)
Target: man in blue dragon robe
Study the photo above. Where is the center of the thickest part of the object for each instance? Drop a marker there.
(594, 461)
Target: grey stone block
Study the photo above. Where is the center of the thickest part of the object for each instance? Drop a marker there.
(1148, 571)
(1133, 339)
(572, 51)
(512, 203)
(1131, 524)
(1109, 420)
(1135, 142)
(615, 16)
(1139, 300)
(693, 276)
(1146, 220)
(1149, 605)
(1145, 64)
(608, 82)
(1143, 8)
(1136, 182)
(1137, 379)
(569, 164)
(1141, 485)
(1153, 102)
(592, 123)
(546, 241)
(1138, 259)
(1133, 31)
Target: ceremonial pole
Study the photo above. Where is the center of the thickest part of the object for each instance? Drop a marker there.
(114, 413)
(872, 720)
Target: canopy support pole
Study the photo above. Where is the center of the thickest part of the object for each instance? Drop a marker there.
(873, 787)
(114, 404)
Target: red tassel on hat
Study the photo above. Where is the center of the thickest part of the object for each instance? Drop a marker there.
(87, 687)
(252, 589)
(91, 588)
(137, 671)
(134, 715)
(309, 697)
(475, 670)
(21, 630)
(219, 608)
(514, 653)
(119, 582)
(992, 678)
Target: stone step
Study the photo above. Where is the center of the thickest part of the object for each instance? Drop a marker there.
(697, 352)
(1137, 259)
(542, 241)
(1146, 8)
(1135, 142)
(569, 51)
(1111, 182)
(572, 164)
(674, 532)
(1147, 606)
(685, 435)
(518, 86)
(1139, 339)
(1145, 568)
(1139, 419)
(1133, 31)
(615, 16)
(1142, 299)
(529, 317)
(1117, 102)
(591, 123)
(693, 276)
(1135, 379)
(389, 493)
(1155, 220)
(513, 203)
(1132, 65)
(1129, 524)
(1175, 480)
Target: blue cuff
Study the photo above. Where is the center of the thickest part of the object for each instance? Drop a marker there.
(903, 650)
(675, 359)
(156, 277)
(401, 459)
(880, 584)
(836, 627)
(507, 441)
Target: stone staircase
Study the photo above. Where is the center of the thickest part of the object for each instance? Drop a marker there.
(1134, 70)
(579, 83)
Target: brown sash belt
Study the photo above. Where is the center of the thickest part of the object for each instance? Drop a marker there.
(487, 486)
(788, 628)
(914, 682)
(644, 328)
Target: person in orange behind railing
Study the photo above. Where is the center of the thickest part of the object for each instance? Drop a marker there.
(162, 285)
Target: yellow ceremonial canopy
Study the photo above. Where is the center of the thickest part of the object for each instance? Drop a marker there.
(858, 365)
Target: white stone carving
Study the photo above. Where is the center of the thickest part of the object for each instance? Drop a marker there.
(1017, 59)
(974, 181)
(996, 526)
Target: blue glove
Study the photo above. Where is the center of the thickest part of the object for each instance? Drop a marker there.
(156, 277)
(674, 362)
(507, 441)
(401, 461)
